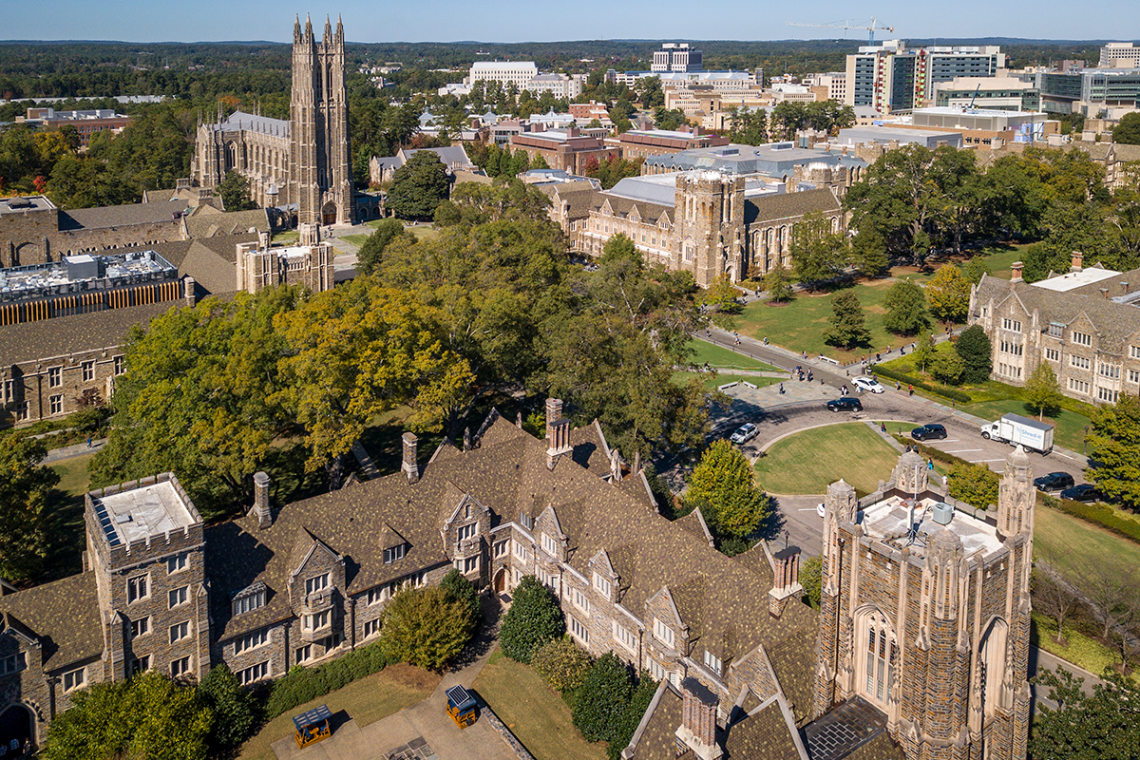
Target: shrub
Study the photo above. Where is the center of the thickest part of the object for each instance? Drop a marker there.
(426, 627)
(632, 715)
(811, 578)
(975, 484)
(533, 619)
(940, 390)
(234, 708)
(973, 347)
(1098, 514)
(301, 685)
(601, 702)
(562, 663)
(460, 589)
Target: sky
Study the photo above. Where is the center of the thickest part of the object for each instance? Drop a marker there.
(531, 21)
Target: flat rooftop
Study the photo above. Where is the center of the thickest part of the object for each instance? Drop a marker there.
(25, 203)
(1063, 283)
(887, 521)
(83, 272)
(144, 512)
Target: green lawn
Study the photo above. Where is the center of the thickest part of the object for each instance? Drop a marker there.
(64, 514)
(533, 711)
(1069, 427)
(851, 451)
(1068, 544)
(724, 358)
(357, 240)
(800, 324)
(1000, 257)
(1079, 649)
(420, 231)
(286, 236)
(713, 381)
(366, 701)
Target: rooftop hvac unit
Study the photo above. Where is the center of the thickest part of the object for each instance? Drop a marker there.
(943, 513)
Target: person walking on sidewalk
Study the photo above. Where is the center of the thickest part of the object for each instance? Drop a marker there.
(910, 390)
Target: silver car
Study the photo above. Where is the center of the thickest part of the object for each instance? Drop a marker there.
(744, 433)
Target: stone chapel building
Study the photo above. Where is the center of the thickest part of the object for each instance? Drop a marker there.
(303, 162)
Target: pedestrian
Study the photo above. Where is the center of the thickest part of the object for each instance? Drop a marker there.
(805, 355)
(944, 482)
(910, 389)
(930, 464)
(765, 340)
(902, 350)
(781, 389)
(915, 345)
(809, 375)
(898, 385)
(88, 441)
(882, 427)
(878, 357)
(708, 334)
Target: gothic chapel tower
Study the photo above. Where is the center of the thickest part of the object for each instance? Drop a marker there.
(321, 173)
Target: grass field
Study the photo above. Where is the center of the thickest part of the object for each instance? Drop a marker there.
(65, 534)
(357, 240)
(1067, 544)
(1078, 649)
(533, 711)
(365, 701)
(714, 381)
(852, 451)
(420, 231)
(1000, 257)
(724, 358)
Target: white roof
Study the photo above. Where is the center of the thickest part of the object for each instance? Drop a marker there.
(1063, 283)
(148, 511)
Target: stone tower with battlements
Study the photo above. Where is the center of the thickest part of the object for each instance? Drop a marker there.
(320, 170)
(710, 226)
(925, 612)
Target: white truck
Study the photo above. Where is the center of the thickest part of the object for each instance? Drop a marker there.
(1021, 431)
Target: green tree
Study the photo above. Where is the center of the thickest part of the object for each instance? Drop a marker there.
(369, 256)
(948, 294)
(811, 578)
(975, 484)
(539, 162)
(924, 353)
(778, 283)
(24, 489)
(562, 663)
(722, 295)
(748, 126)
(1103, 725)
(600, 703)
(234, 192)
(533, 619)
(947, 367)
(817, 252)
(906, 309)
(461, 589)
(846, 322)
(1127, 132)
(869, 253)
(724, 489)
(426, 627)
(668, 120)
(148, 716)
(631, 716)
(234, 709)
(1114, 451)
(1042, 392)
(973, 346)
(973, 270)
(418, 186)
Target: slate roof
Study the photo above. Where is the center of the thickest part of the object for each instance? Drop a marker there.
(29, 341)
(210, 260)
(777, 206)
(63, 615)
(206, 222)
(120, 216)
(717, 597)
(1114, 322)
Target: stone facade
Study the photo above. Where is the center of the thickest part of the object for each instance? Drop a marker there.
(259, 266)
(304, 160)
(930, 623)
(1089, 333)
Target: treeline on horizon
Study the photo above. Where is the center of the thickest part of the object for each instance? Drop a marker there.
(195, 70)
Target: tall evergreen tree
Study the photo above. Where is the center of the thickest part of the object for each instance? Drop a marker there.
(846, 321)
(974, 347)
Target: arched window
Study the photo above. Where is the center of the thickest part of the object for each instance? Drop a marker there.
(878, 654)
(991, 664)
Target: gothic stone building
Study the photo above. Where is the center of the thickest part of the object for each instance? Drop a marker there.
(310, 263)
(1084, 323)
(706, 222)
(303, 161)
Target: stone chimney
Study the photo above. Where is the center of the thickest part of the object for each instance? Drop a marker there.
(698, 720)
(261, 500)
(1078, 261)
(467, 438)
(557, 432)
(189, 292)
(785, 580)
(1015, 271)
(411, 467)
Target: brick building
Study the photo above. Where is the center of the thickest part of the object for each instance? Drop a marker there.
(636, 144)
(568, 149)
(86, 123)
(1084, 323)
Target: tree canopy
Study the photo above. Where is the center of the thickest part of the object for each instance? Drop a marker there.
(1114, 451)
(418, 186)
(24, 489)
(1104, 725)
(973, 346)
(533, 619)
(846, 320)
(948, 294)
(426, 627)
(818, 253)
(906, 309)
(724, 489)
(1042, 392)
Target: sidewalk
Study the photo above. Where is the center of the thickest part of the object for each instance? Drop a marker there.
(78, 450)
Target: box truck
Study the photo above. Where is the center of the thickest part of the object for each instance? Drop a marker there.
(1021, 431)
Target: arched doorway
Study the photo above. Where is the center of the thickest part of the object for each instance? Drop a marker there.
(16, 724)
(500, 581)
(328, 214)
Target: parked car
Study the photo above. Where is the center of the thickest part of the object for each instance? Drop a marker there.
(821, 510)
(1054, 481)
(928, 432)
(1083, 492)
(868, 384)
(744, 433)
(845, 404)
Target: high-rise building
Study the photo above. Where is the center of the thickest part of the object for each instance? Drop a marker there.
(302, 161)
(1119, 55)
(677, 57)
(892, 77)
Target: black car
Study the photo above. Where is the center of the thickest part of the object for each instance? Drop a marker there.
(1054, 481)
(845, 404)
(928, 432)
(1083, 492)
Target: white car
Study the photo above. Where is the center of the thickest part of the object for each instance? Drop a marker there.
(744, 433)
(868, 384)
(821, 510)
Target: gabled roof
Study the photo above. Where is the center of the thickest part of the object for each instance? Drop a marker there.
(777, 206)
(48, 338)
(63, 616)
(121, 216)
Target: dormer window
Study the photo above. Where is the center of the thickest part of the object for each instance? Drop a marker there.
(663, 632)
(602, 585)
(249, 599)
(549, 545)
(393, 554)
(713, 663)
(319, 583)
(467, 531)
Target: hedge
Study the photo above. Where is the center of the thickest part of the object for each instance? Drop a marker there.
(1098, 514)
(935, 388)
(303, 685)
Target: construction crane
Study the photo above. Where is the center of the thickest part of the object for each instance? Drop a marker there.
(848, 25)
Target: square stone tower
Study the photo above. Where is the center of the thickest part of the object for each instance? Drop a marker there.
(320, 169)
(146, 544)
(925, 612)
(710, 226)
